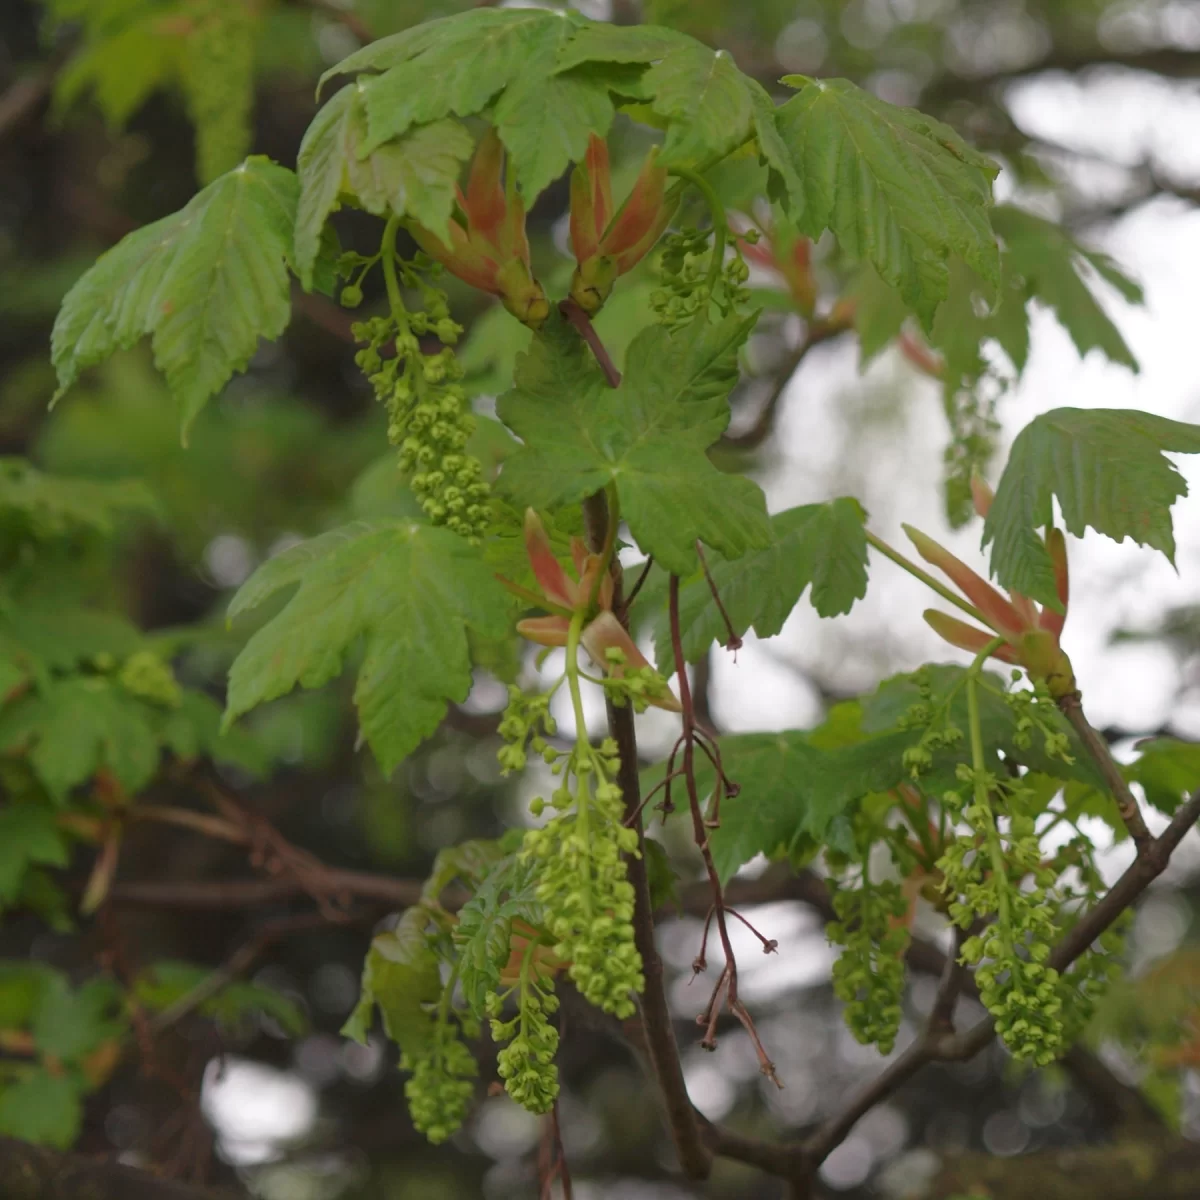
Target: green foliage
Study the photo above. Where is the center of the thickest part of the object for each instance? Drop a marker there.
(235, 1007)
(459, 64)
(1106, 469)
(41, 507)
(28, 835)
(393, 584)
(896, 188)
(485, 926)
(646, 437)
(205, 284)
(400, 977)
(1046, 265)
(411, 175)
(205, 49)
(819, 544)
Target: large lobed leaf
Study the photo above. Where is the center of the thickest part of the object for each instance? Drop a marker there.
(409, 592)
(412, 175)
(896, 187)
(648, 437)
(401, 977)
(1048, 265)
(823, 545)
(54, 505)
(459, 65)
(205, 284)
(1107, 470)
(798, 787)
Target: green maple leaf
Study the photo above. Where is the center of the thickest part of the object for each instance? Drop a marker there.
(484, 931)
(70, 1023)
(883, 709)
(1106, 468)
(706, 100)
(54, 505)
(647, 437)
(460, 65)
(42, 1108)
(707, 105)
(74, 727)
(1168, 770)
(412, 175)
(792, 791)
(401, 977)
(409, 591)
(28, 834)
(1048, 265)
(823, 545)
(897, 188)
(205, 284)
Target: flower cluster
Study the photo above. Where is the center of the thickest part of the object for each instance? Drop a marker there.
(998, 883)
(868, 976)
(145, 675)
(526, 1063)
(582, 882)
(429, 418)
(442, 1082)
(689, 282)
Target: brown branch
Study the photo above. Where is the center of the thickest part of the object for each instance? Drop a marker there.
(29, 1172)
(752, 438)
(1097, 747)
(1141, 873)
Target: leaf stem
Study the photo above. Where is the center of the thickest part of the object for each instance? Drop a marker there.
(924, 576)
(720, 223)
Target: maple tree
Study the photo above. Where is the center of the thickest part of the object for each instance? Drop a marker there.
(525, 528)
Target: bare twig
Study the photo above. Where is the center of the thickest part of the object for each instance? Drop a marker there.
(752, 438)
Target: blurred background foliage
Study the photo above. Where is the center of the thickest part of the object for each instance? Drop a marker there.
(96, 139)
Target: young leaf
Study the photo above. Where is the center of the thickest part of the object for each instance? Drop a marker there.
(401, 976)
(409, 591)
(897, 188)
(823, 545)
(706, 100)
(73, 728)
(1048, 265)
(413, 175)
(1107, 470)
(28, 834)
(791, 789)
(602, 42)
(544, 118)
(205, 284)
(70, 1023)
(484, 931)
(50, 506)
(41, 1107)
(1168, 770)
(648, 437)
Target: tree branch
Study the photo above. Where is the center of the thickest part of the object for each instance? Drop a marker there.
(29, 1172)
(1097, 747)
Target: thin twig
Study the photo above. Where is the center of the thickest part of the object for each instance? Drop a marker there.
(733, 642)
(1097, 747)
(752, 438)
